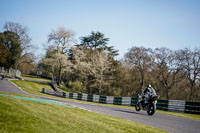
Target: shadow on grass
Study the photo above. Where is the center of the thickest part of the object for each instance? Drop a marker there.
(39, 82)
(35, 76)
(30, 76)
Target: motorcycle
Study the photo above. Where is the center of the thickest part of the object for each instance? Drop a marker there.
(150, 105)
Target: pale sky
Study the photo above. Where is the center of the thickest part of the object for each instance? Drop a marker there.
(174, 24)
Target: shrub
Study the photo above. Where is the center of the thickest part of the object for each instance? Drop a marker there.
(76, 86)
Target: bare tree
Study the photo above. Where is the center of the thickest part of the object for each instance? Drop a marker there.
(168, 69)
(129, 77)
(22, 31)
(141, 59)
(62, 39)
(190, 62)
(27, 64)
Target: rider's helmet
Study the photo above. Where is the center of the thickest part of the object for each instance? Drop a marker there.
(149, 86)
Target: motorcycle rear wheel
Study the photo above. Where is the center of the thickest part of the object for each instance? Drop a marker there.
(137, 107)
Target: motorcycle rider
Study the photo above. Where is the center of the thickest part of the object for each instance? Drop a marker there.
(147, 100)
(148, 90)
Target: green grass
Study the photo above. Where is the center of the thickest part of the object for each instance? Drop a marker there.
(32, 86)
(32, 77)
(35, 88)
(19, 115)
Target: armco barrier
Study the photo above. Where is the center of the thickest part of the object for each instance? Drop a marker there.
(134, 101)
(126, 101)
(96, 98)
(176, 106)
(84, 97)
(90, 98)
(167, 105)
(43, 90)
(109, 99)
(75, 95)
(192, 107)
(117, 101)
(79, 96)
(71, 95)
(102, 99)
(162, 105)
(63, 94)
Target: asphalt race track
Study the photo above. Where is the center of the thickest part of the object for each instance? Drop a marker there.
(166, 122)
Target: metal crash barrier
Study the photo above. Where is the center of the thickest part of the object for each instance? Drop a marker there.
(166, 105)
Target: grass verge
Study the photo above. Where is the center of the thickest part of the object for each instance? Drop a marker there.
(32, 77)
(18, 115)
(35, 88)
(32, 87)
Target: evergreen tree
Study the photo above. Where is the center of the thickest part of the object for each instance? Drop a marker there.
(12, 42)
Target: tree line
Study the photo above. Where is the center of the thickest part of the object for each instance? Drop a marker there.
(16, 48)
(90, 67)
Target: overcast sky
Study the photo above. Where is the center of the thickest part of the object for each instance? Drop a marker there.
(174, 24)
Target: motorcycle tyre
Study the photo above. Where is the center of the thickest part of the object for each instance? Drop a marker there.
(152, 111)
(137, 107)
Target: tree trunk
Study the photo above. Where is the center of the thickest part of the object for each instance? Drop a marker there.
(59, 75)
(167, 93)
(100, 84)
(191, 93)
(142, 80)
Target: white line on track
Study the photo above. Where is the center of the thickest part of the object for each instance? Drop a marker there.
(17, 86)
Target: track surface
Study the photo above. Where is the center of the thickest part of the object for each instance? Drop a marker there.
(166, 122)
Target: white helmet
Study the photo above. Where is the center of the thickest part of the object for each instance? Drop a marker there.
(149, 86)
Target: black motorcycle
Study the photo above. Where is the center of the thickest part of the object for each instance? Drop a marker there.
(149, 106)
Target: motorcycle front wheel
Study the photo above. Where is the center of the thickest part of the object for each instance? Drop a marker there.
(151, 109)
(137, 107)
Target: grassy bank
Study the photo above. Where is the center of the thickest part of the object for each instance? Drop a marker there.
(32, 77)
(32, 86)
(35, 88)
(19, 115)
